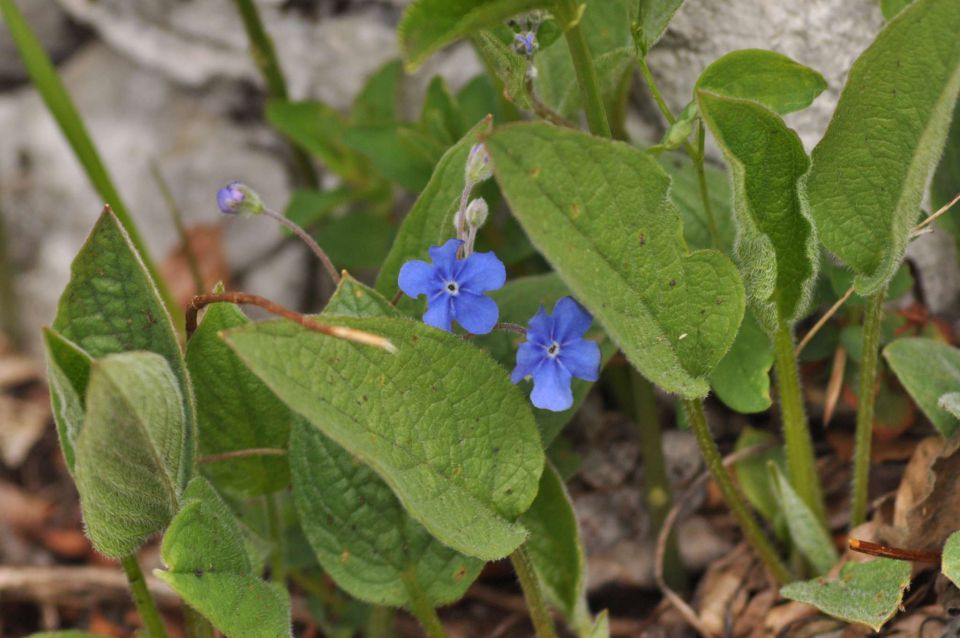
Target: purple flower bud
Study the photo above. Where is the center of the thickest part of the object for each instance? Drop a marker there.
(237, 198)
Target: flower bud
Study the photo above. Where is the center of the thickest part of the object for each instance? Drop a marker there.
(525, 43)
(477, 212)
(479, 166)
(237, 198)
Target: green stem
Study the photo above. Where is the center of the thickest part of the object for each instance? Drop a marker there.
(530, 584)
(868, 382)
(655, 91)
(735, 501)
(196, 625)
(380, 622)
(569, 13)
(142, 598)
(264, 55)
(656, 484)
(278, 570)
(422, 608)
(801, 462)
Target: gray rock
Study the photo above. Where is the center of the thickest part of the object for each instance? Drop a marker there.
(52, 27)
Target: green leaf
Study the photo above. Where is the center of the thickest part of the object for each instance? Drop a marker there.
(610, 67)
(111, 305)
(377, 101)
(438, 421)
(235, 410)
(742, 378)
(358, 240)
(68, 373)
(685, 193)
(308, 207)
(401, 153)
(519, 300)
(130, 453)
(806, 531)
(360, 532)
(319, 130)
(775, 248)
(209, 568)
(601, 626)
(505, 64)
(866, 593)
(354, 299)
(928, 369)
(620, 251)
(950, 566)
(767, 77)
(946, 179)
(890, 8)
(441, 117)
(951, 403)
(478, 99)
(430, 221)
(554, 545)
(753, 475)
(886, 135)
(47, 82)
(653, 17)
(429, 25)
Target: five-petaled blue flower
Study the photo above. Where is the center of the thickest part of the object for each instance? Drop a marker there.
(554, 352)
(454, 287)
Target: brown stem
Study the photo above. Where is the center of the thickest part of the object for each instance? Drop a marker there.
(309, 241)
(897, 553)
(242, 298)
(239, 454)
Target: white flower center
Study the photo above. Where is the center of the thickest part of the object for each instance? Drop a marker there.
(553, 350)
(453, 288)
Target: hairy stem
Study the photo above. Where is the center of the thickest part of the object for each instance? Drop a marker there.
(422, 608)
(568, 12)
(655, 91)
(147, 607)
(657, 495)
(801, 462)
(278, 567)
(379, 622)
(735, 501)
(868, 382)
(308, 240)
(530, 584)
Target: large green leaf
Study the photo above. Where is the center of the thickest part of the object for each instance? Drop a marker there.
(685, 193)
(360, 532)
(653, 17)
(950, 566)
(554, 545)
(430, 221)
(438, 421)
(775, 246)
(767, 77)
(209, 568)
(400, 152)
(928, 369)
(111, 305)
(600, 212)
(806, 530)
(318, 129)
(867, 593)
(235, 410)
(68, 373)
(870, 169)
(428, 25)
(130, 452)
(742, 378)
(377, 102)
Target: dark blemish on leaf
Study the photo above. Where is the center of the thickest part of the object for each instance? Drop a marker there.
(414, 338)
(673, 283)
(574, 210)
(198, 573)
(455, 472)
(434, 388)
(496, 450)
(718, 301)
(535, 172)
(460, 573)
(150, 318)
(363, 500)
(509, 490)
(643, 239)
(364, 397)
(344, 555)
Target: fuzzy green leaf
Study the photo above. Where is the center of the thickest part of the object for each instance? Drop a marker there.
(438, 421)
(950, 566)
(753, 475)
(111, 305)
(430, 221)
(928, 369)
(68, 373)
(685, 193)
(775, 246)
(209, 568)
(742, 378)
(235, 410)
(867, 593)
(377, 102)
(600, 212)
(890, 8)
(402, 153)
(767, 77)
(870, 169)
(353, 299)
(429, 25)
(360, 532)
(441, 117)
(319, 130)
(946, 179)
(130, 452)
(806, 531)
(554, 545)
(653, 17)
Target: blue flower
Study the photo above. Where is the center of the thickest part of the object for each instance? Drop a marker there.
(237, 198)
(555, 352)
(454, 287)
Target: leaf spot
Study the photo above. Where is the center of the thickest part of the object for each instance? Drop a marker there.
(574, 210)
(344, 555)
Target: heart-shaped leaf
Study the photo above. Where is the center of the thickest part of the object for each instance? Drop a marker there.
(653, 16)
(600, 212)
(928, 369)
(438, 421)
(130, 452)
(870, 169)
(775, 246)
(111, 305)
(867, 593)
(235, 410)
(767, 77)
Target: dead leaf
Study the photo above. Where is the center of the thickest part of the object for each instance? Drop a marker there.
(70, 543)
(20, 510)
(22, 423)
